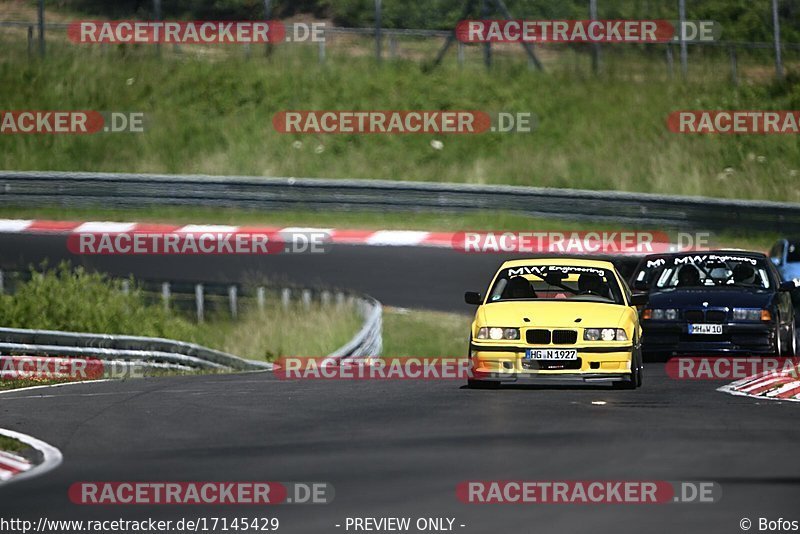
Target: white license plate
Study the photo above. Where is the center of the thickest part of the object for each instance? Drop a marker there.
(551, 354)
(705, 328)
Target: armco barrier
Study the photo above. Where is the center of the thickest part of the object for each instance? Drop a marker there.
(146, 352)
(136, 190)
(369, 340)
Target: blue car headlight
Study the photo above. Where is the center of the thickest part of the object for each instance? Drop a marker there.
(660, 314)
(751, 314)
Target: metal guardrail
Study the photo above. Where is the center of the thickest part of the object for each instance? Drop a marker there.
(120, 348)
(136, 190)
(139, 352)
(369, 340)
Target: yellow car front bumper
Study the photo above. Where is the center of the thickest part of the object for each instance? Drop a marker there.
(507, 363)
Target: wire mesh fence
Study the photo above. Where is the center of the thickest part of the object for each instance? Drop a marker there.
(716, 61)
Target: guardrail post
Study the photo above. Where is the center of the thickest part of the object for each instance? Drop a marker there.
(40, 13)
(460, 53)
(199, 302)
(30, 41)
(261, 296)
(321, 49)
(1, 282)
(325, 298)
(670, 62)
(734, 73)
(232, 299)
(165, 294)
(286, 295)
(125, 287)
(339, 299)
(392, 46)
(306, 298)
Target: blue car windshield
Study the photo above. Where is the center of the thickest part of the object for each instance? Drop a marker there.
(793, 254)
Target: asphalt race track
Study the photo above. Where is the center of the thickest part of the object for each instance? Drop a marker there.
(399, 448)
(432, 278)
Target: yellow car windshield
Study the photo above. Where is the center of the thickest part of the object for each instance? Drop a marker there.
(556, 282)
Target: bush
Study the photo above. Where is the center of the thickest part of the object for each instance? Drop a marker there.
(76, 300)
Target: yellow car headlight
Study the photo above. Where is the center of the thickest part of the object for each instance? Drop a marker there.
(497, 332)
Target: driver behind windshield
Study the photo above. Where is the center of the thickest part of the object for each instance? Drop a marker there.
(518, 288)
(744, 275)
(688, 276)
(591, 284)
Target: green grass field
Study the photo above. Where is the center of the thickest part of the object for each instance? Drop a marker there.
(417, 333)
(209, 113)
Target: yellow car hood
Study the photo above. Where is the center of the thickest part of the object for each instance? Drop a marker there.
(551, 314)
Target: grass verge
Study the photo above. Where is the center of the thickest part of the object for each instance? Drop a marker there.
(11, 445)
(418, 333)
(605, 133)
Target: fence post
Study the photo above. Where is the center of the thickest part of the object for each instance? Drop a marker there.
(321, 48)
(30, 41)
(126, 286)
(41, 27)
(232, 299)
(595, 46)
(487, 46)
(325, 298)
(460, 53)
(734, 70)
(776, 35)
(267, 17)
(157, 17)
(199, 302)
(378, 36)
(306, 298)
(670, 62)
(392, 46)
(339, 299)
(2, 285)
(286, 295)
(165, 294)
(682, 30)
(261, 296)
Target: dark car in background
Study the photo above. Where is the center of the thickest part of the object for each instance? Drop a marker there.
(718, 302)
(646, 272)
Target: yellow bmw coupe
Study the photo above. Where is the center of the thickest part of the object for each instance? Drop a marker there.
(556, 321)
